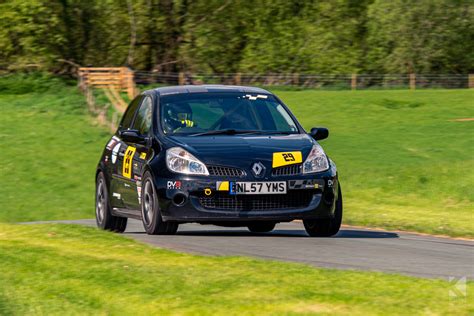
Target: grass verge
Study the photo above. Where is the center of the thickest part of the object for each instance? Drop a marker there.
(57, 269)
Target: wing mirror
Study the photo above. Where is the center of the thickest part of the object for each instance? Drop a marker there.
(132, 136)
(319, 133)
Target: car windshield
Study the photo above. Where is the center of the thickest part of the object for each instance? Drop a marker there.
(197, 114)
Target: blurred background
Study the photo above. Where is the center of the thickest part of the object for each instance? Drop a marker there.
(219, 37)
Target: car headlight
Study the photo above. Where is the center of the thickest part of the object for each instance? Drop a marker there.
(181, 161)
(316, 161)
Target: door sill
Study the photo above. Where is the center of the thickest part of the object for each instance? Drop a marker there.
(124, 212)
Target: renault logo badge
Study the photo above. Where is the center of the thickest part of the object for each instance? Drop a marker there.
(258, 169)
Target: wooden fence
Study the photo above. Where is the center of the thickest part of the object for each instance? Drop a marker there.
(121, 79)
(313, 81)
(116, 78)
(112, 81)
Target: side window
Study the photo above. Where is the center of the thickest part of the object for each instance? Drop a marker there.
(143, 119)
(130, 113)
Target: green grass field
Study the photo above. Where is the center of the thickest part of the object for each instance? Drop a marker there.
(50, 148)
(403, 163)
(68, 269)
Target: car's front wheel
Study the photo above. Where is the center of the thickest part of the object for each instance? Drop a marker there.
(326, 227)
(103, 216)
(261, 227)
(151, 215)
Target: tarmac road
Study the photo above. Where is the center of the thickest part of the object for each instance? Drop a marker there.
(359, 249)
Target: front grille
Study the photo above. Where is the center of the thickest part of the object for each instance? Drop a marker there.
(223, 201)
(291, 170)
(225, 171)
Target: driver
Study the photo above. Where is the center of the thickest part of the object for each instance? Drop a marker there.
(178, 116)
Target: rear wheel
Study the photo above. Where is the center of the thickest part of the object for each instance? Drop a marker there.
(103, 215)
(261, 227)
(326, 227)
(151, 215)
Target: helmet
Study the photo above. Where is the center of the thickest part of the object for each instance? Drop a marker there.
(177, 115)
(178, 111)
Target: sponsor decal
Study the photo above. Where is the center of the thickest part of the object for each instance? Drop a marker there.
(255, 97)
(207, 191)
(173, 185)
(116, 195)
(139, 192)
(143, 156)
(303, 184)
(286, 158)
(115, 152)
(330, 183)
(127, 162)
(222, 185)
(136, 168)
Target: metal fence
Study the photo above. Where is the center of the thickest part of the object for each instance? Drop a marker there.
(311, 81)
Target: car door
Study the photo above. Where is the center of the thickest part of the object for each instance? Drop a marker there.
(118, 181)
(136, 155)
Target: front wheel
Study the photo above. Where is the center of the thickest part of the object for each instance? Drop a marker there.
(103, 216)
(151, 215)
(326, 227)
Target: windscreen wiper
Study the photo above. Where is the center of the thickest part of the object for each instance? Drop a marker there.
(227, 132)
(277, 132)
(236, 131)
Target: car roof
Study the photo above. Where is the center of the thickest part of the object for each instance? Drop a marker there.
(206, 88)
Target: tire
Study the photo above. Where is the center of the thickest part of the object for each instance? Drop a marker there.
(261, 227)
(326, 227)
(103, 215)
(151, 215)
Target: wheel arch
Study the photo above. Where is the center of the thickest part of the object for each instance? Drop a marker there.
(101, 168)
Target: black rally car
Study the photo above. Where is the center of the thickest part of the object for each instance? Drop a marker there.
(212, 154)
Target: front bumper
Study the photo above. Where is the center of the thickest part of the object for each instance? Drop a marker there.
(308, 197)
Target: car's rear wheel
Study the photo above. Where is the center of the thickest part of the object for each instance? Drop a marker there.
(151, 215)
(326, 227)
(261, 227)
(103, 215)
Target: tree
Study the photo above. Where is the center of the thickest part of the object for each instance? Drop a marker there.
(421, 36)
(228, 36)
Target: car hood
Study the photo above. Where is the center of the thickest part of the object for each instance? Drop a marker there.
(242, 150)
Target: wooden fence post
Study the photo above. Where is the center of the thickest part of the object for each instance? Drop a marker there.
(238, 79)
(471, 81)
(412, 81)
(130, 83)
(296, 79)
(181, 78)
(354, 82)
(113, 123)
